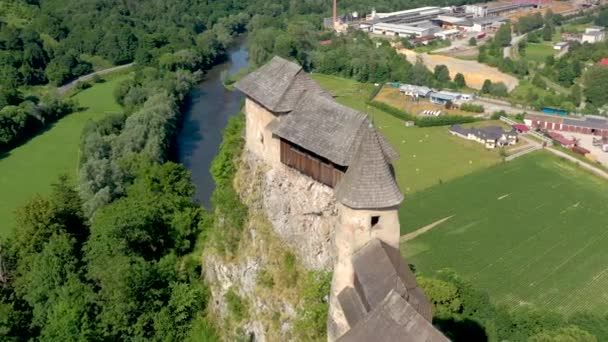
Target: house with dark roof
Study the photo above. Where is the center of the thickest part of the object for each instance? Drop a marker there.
(490, 136)
(291, 122)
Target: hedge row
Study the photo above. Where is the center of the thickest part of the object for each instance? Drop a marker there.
(470, 107)
(444, 120)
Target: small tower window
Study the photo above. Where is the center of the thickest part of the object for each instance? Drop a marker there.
(375, 220)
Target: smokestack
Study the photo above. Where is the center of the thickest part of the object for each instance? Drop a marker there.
(335, 11)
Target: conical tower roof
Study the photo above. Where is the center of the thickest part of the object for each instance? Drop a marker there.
(369, 182)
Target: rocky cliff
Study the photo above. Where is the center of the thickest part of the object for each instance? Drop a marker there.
(256, 292)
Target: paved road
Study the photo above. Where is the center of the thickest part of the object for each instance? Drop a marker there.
(64, 88)
(492, 105)
(511, 51)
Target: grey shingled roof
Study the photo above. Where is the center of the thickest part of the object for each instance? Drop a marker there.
(278, 85)
(326, 128)
(352, 306)
(369, 181)
(379, 269)
(394, 319)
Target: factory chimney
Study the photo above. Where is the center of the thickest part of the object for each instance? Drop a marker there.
(335, 12)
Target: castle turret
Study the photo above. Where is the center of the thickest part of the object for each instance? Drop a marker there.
(368, 198)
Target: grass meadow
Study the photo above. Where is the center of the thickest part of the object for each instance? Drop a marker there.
(538, 52)
(31, 168)
(428, 156)
(532, 231)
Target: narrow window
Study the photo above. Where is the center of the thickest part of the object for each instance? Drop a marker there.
(375, 220)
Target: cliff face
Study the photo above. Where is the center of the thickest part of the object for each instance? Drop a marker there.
(289, 232)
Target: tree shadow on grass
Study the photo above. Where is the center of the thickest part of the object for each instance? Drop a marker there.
(461, 330)
(5, 151)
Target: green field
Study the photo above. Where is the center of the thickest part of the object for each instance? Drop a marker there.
(428, 156)
(532, 231)
(31, 168)
(539, 52)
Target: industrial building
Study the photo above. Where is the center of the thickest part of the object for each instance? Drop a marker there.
(589, 124)
(400, 30)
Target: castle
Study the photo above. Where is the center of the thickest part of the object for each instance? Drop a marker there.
(292, 122)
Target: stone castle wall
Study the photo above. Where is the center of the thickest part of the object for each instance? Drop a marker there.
(258, 139)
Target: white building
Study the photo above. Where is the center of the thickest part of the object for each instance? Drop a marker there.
(448, 34)
(404, 30)
(594, 34)
(560, 46)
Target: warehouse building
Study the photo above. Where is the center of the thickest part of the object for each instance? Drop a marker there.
(589, 124)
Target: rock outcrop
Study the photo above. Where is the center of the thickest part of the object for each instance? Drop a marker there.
(288, 214)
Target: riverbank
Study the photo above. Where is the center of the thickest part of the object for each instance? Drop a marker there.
(209, 107)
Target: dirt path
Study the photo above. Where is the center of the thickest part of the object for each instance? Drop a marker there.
(474, 72)
(64, 88)
(420, 231)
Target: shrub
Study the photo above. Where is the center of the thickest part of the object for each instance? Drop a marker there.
(82, 85)
(392, 110)
(444, 120)
(470, 107)
(290, 272)
(311, 324)
(231, 212)
(97, 79)
(498, 115)
(237, 305)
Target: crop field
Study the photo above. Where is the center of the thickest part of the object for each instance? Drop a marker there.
(31, 168)
(531, 232)
(428, 156)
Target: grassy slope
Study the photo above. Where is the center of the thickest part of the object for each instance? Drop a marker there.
(32, 167)
(539, 52)
(531, 231)
(427, 155)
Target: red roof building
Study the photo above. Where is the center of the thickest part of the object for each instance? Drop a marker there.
(562, 140)
(521, 128)
(603, 62)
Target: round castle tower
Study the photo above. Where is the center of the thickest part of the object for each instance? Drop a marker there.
(368, 198)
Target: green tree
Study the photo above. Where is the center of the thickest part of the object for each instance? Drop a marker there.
(443, 295)
(503, 35)
(441, 73)
(420, 75)
(595, 82)
(486, 88)
(460, 81)
(472, 41)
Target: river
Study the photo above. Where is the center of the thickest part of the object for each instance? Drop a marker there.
(207, 111)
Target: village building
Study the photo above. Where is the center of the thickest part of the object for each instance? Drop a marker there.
(559, 46)
(594, 34)
(292, 123)
(448, 34)
(442, 98)
(415, 91)
(589, 124)
(565, 142)
(490, 137)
